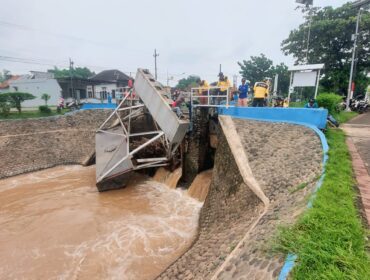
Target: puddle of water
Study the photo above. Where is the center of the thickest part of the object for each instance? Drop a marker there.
(55, 225)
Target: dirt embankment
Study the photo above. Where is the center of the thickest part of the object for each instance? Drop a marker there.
(285, 160)
(34, 144)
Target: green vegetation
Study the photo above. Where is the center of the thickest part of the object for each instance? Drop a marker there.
(331, 44)
(77, 72)
(4, 75)
(329, 101)
(31, 114)
(15, 99)
(44, 109)
(188, 83)
(45, 97)
(260, 67)
(297, 104)
(343, 116)
(329, 239)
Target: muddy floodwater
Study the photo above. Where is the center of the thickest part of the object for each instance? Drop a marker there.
(55, 225)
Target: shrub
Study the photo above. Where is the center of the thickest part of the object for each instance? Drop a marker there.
(16, 98)
(4, 109)
(44, 109)
(45, 97)
(329, 101)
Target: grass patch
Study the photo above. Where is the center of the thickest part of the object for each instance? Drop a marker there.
(329, 238)
(299, 104)
(31, 114)
(344, 116)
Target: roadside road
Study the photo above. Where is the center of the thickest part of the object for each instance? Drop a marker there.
(358, 141)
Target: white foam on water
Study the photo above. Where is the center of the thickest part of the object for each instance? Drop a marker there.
(127, 234)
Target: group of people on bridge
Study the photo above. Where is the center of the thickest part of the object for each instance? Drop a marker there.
(214, 95)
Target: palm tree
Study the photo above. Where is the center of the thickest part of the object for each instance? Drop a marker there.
(45, 97)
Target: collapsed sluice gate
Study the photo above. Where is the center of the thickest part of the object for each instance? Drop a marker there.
(142, 132)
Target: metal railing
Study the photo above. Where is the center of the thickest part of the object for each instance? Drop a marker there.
(125, 133)
(209, 97)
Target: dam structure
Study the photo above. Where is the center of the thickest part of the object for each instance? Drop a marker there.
(251, 170)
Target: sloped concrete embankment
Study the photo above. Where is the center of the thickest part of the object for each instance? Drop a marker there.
(34, 144)
(230, 208)
(263, 175)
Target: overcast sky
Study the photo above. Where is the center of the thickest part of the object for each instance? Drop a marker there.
(191, 36)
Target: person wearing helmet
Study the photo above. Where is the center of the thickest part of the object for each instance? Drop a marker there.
(243, 93)
(311, 104)
(260, 93)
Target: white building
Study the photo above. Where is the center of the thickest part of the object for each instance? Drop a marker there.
(37, 83)
(107, 82)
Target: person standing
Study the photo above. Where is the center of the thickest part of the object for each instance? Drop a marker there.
(243, 93)
(261, 90)
(203, 91)
(176, 105)
(223, 84)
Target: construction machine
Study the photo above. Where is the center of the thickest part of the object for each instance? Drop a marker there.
(138, 134)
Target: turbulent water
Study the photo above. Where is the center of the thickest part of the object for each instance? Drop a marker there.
(55, 225)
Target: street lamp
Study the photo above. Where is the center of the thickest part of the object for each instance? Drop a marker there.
(358, 4)
(308, 4)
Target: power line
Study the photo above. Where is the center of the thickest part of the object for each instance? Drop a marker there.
(71, 37)
(31, 61)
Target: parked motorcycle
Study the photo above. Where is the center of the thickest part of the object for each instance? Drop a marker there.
(359, 104)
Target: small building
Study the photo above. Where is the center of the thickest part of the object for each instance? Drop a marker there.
(37, 83)
(74, 88)
(108, 81)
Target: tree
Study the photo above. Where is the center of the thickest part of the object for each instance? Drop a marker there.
(45, 97)
(260, 67)
(78, 72)
(284, 78)
(331, 44)
(5, 75)
(5, 105)
(188, 83)
(16, 98)
(257, 68)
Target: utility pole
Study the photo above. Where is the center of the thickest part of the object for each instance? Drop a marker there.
(71, 76)
(309, 6)
(350, 87)
(357, 4)
(309, 32)
(155, 62)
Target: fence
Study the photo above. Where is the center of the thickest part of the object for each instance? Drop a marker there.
(209, 97)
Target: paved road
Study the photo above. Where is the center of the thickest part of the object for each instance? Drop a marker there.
(359, 131)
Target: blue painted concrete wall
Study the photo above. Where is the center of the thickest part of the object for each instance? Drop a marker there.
(316, 117)
(92, 106)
